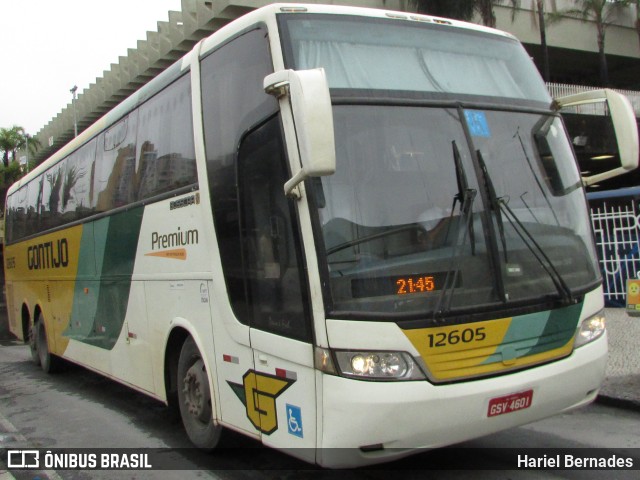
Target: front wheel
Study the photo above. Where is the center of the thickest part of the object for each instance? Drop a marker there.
(194, 398)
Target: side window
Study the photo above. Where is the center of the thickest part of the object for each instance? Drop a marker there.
(33, 198)
(50, 201)
(18, 214)
(166, 153)
(75, 196)
(272, 257)
(233, 101)
(114, 176)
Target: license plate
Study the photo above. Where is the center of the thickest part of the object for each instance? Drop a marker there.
(510, 403)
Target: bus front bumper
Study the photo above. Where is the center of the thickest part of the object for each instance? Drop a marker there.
(371, 422)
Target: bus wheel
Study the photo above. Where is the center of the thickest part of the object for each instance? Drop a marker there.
(194, 398)
(33, 343)
(48, 362)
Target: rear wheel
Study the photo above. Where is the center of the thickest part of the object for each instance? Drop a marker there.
(48, 361)
(194, 398)
(33, 343)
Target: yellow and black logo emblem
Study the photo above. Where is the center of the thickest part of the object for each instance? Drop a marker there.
(258, 393)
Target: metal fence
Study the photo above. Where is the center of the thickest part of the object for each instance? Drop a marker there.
(615, 216)
(561, 89)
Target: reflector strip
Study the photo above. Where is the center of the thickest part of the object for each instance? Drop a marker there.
(230, 359)
(282, 373)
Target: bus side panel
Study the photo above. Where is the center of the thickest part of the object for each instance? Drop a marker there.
(171, 286)
(41, 273)
(102, 290)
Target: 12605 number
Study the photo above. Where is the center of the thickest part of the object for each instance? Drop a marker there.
(454, 337)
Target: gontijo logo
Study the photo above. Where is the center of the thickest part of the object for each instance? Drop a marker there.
(53, 254)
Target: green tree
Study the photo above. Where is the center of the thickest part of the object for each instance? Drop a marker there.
(539, 10)
(14, 139)
(542, 26)
(10, 138)
(601, 12)
(10, 174)
(485, 9)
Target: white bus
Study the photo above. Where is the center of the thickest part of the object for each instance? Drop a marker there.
(347, 233)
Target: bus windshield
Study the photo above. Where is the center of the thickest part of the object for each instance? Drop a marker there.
(440, 209)
(359, 53)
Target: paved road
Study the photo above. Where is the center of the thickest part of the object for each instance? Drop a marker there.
(622, 385)
(79, 409)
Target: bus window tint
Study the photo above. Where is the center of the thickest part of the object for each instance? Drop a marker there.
(166, 154)
(274, 279)
(18, 213)
(50, 207)
(114, 184)
(233, 101)
(33, 196)
(76, 201)
(359, 53)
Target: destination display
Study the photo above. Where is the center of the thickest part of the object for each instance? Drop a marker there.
(400, 284)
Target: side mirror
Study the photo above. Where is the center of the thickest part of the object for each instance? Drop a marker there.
(312, 120)
(624, 125)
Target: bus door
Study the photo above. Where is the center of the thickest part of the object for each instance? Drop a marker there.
(282, 405)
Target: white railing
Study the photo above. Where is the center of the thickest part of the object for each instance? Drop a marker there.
(616, 227)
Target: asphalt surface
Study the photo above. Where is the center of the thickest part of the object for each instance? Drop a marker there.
(621, 387)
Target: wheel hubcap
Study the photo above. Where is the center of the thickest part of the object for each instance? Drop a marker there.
(196, 392)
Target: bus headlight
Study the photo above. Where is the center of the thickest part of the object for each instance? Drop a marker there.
(590, 329)
(378, 365)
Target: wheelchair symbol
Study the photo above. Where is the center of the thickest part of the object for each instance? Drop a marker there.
(294, 420)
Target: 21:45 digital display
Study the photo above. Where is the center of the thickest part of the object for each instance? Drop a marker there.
(415, 284)
(401, 284)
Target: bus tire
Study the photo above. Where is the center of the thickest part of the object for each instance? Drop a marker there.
(33, 344)
(194, 398)
(48, 361)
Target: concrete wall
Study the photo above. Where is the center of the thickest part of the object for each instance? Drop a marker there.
(571, 32)
(199, 18)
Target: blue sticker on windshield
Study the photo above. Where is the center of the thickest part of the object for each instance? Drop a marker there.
(477, 122)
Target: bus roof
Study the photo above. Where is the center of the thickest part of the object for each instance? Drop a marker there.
(265, 15)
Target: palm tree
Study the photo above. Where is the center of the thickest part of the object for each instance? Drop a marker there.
(14, 139)
(10, 138)
(538, 8)
(600, 12)
(485, 9)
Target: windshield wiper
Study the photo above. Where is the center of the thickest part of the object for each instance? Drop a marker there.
(368, 238)
(538, 253)
(466, 197)
(498, 205)
(494, 202)
(463, 196)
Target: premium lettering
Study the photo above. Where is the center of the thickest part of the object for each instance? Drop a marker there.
(176, 239)
(48, 255)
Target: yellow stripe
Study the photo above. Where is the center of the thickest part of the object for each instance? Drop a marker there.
(464, 351)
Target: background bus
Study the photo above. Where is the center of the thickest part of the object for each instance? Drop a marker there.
(347, 233)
